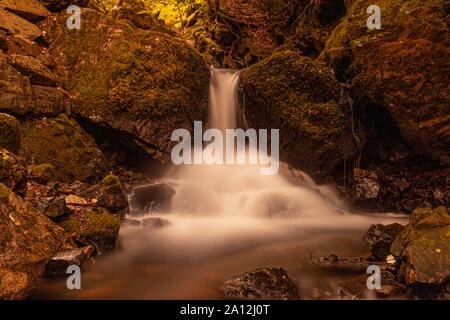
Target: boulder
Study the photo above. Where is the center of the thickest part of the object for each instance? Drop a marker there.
(59, 263)
(17, 44)
(48, 101)
(15, 90)
(380, 237)
(142, 83)
(62, 143)
(108, 194)
(99, 228)
(10, 133)
(41, 173)
(28, 239)
(31, 10)
(423, 247)
(398, 68)
(157, 197)
(12, 170)
(300, 97)
(14, 24)
(266, 283)
(32, 67)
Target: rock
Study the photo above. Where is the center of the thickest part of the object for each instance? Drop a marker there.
(38, 73)
(377, 62)
(423, 247)
(31, 10)
(335, 263)
(302, 98)
(17, 44)
(12, 170)
(143, 84)
(109, 194)
(380, 237)
(155, 222)
(366, 189)
(62, 143)
(15, 90)
(14, 24)
(130, 222)
(63, 259)
(28, 239)
(98, 228)
(56, 207)
(48, 101)
(42, 173)
(10, 133)
(157, 197)
(266, 283)
(58, 5)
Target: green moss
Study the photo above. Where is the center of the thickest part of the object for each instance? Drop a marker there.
(12, 170)
(101, 229)
(110, 180)
(62, 143)
(43, 172)
(10, 133)
(4, 192)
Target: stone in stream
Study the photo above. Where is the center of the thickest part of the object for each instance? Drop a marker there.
(380, 237)
(155, 197)
(155, 222)
(67, 257)
(266, 283)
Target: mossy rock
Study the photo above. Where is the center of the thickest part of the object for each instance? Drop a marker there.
(142, 82)
(43, 172)
(423, 247)
(100, 229)
(12, 170)
(301, 97)
(62, 143)
(400, 67)
(10, 133)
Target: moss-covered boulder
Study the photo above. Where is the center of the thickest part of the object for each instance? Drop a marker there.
(42, 173)
(423, 247)
(28, 239)
(98, 228)
(301, 98)
(12, 170)
(62, 143)
(10, 133)
(400, 67)
(141, 82)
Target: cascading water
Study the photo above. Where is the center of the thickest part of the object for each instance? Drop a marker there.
(225, 219)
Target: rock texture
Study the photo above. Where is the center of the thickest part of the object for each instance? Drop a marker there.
(10, 133)
(28, 239)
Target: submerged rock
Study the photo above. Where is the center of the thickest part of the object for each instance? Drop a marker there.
(62, 259)
(266, 283)
(28, 239)
(155, 197)
(423, 247)
(155, 222)
(380, 237)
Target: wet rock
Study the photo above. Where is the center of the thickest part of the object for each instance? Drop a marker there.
(28, 239)
(335, 263)
(10, 133)
(14, 24)
(131, 222)
(109, 194)
(423, 247)
(48, 101)
(318, 120)
(15, 90)
(267, 283)
(366, 189)
(59, 263)
(380, 237)
(155, 222)
(37, 72)
(156, 197)
(62, 143)
(31, 10)
(12, 170)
